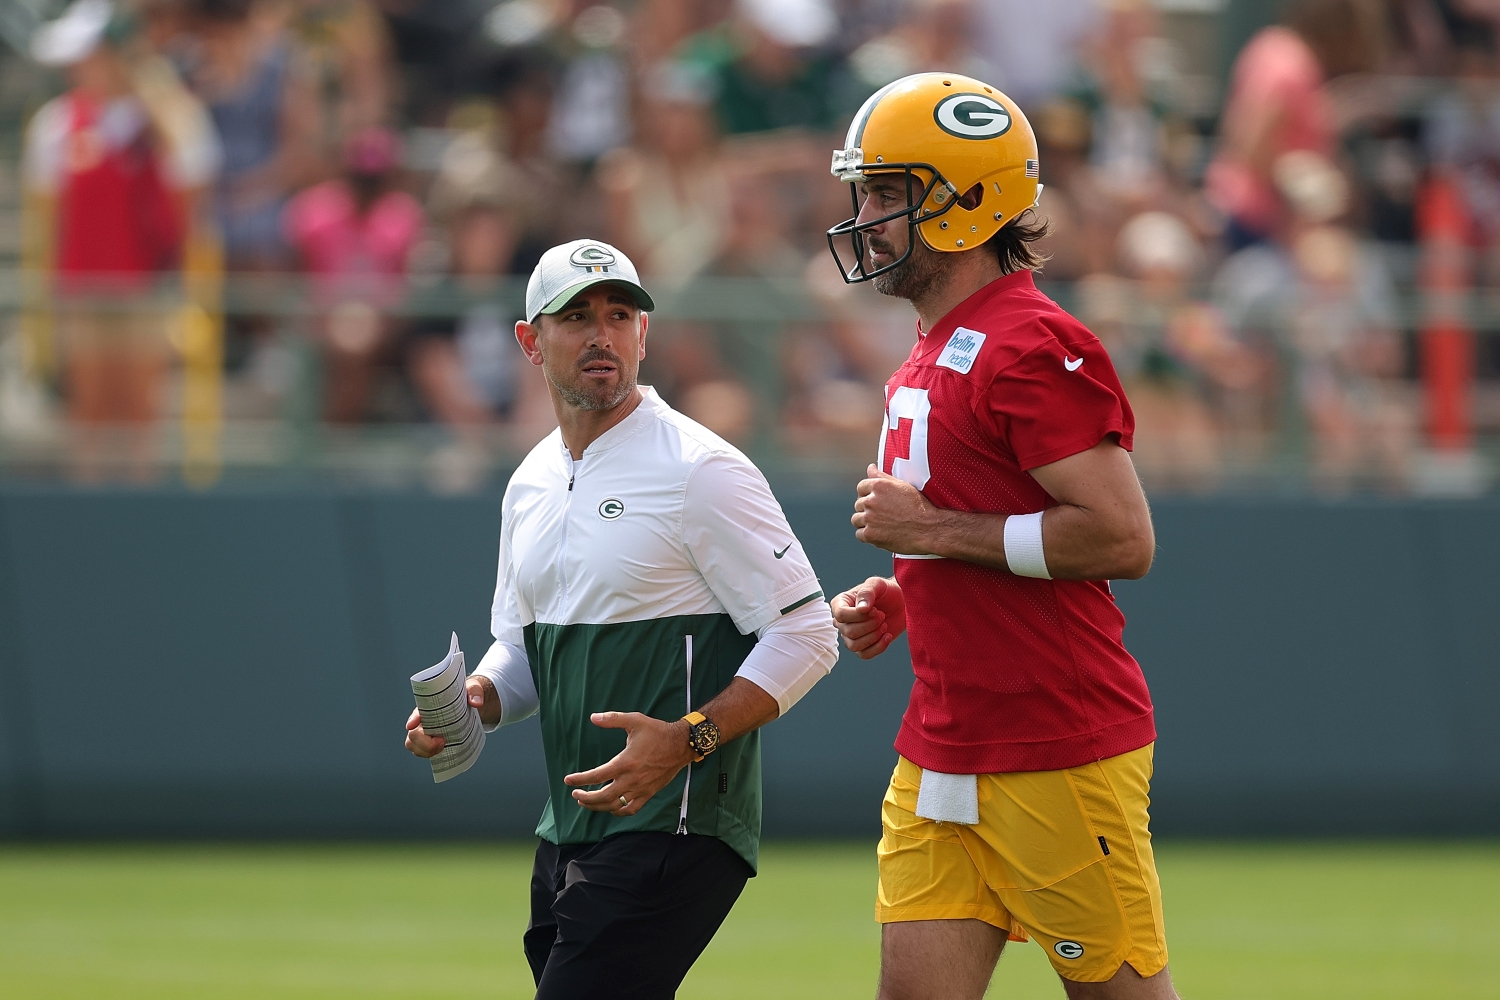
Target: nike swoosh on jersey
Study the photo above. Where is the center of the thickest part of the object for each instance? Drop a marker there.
(1072, 365)
(778, 555)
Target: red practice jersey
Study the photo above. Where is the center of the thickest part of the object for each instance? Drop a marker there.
(1012, 673)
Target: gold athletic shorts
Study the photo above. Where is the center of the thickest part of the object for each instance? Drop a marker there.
(1060, 856)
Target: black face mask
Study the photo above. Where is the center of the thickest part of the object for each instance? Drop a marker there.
(855, 231)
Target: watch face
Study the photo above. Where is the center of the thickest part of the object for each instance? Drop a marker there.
(705, 737)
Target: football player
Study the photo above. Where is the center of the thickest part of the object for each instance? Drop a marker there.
(1005, 490)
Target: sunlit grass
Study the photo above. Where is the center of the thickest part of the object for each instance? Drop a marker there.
(331, 921)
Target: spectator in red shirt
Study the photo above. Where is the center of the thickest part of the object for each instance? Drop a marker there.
(108, 191)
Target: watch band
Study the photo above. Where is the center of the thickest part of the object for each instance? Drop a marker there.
(703, 735)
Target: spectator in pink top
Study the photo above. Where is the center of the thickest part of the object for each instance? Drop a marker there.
(355, 235)
(1279, 102)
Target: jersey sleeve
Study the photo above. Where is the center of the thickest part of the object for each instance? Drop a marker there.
(1057, 401)
(739, 539)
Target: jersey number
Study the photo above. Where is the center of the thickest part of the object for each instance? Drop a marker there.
(909, 406)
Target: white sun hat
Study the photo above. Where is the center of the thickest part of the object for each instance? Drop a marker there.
(793, 23)
(568, 269)
(73, 36)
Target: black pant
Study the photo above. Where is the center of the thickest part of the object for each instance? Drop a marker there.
(628, 916)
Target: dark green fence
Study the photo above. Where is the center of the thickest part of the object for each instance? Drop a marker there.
(235, 664)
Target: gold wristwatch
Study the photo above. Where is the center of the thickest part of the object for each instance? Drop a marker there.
(703, 735)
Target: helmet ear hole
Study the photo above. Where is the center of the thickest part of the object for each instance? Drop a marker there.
(972, 198)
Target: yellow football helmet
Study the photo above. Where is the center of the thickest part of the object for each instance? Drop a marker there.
(948, 134)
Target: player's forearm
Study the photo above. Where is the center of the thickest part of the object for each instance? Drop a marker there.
(1084, 544)
(967, 537)
(1078, 543)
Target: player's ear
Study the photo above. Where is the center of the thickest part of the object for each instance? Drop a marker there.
(645, 323)
(527, 335)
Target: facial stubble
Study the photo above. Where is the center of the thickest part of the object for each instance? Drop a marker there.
(913, 276)
(582, 396)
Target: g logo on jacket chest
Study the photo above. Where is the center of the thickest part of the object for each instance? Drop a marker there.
(611, 508)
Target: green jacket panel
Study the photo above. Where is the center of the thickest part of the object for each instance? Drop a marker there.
(643, 666)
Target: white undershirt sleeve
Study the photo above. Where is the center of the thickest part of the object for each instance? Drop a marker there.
(795, 651)
(507, 668)
(505, 664)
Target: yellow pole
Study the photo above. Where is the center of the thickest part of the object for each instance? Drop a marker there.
(201, 329)
(38, 211)
(183, 123)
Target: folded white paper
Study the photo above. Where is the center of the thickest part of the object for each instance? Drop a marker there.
(948, 798)
(446, 712)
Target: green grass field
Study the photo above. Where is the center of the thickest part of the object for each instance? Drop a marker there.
(332, 921)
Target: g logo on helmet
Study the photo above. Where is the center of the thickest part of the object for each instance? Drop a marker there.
(1068, 949)
(972, 116)
(592, 256)
(611, 508)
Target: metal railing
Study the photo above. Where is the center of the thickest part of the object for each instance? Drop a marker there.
(795, 371)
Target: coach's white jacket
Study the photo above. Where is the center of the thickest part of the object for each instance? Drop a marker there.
(643, 578)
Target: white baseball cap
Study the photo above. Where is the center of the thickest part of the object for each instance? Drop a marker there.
(566, 270)
(72, 37)
(793, 23)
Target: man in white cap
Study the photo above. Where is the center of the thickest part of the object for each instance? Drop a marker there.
(654, 606)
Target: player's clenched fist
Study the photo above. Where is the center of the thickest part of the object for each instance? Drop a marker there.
(870, 616)
(892, 514)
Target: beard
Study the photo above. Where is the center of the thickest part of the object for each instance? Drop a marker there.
(913, 276)
(584, 394)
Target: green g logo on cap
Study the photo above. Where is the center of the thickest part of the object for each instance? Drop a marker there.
(592, 258)
(568, 269)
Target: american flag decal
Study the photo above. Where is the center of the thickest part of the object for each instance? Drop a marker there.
(1033, 168)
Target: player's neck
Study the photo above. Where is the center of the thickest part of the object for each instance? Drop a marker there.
(581, 428)
(963, 275)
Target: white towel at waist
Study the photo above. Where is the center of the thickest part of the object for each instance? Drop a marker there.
(948, 798)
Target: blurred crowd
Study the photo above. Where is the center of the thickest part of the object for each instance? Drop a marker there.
(261, 208)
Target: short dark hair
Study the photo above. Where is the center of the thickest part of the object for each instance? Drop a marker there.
(1012, 245)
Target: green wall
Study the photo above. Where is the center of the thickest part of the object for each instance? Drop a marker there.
(235, 664)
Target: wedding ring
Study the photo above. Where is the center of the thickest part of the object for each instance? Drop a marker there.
(624, 802)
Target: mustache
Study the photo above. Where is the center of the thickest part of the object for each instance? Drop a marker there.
(599, 354)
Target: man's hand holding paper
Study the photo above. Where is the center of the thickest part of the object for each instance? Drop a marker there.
(482, 695)
(447, 715)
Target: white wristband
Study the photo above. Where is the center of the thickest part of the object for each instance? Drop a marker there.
(1023, 546)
